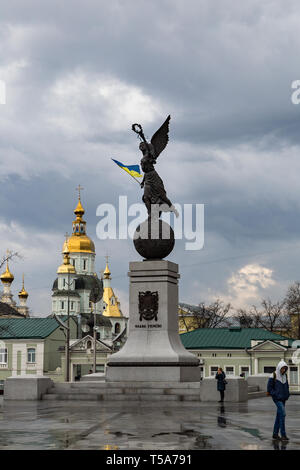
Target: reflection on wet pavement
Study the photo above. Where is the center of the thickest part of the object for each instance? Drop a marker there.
(135, 426)
(200, 441)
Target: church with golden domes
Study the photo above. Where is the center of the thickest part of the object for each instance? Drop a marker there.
(76, 278)
(8, 306)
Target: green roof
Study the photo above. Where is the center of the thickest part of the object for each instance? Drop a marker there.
(227, 338)
(15, 328)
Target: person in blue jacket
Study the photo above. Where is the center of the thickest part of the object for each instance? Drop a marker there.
(278, 389)
(221, 384)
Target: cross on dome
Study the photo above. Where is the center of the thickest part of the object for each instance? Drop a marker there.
(79, 188)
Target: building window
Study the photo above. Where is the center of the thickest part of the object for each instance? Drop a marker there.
(214, 354)
(199, 354)
(294, 375)
(84, 264)
(62, 305)
(245, 371)
(3, 356)
(213, 370)
(269, 369)
(229, 355)
(229, 370)
(89, 344)
(64, 282)
(117, 328)
(31, 355)
(72, 305)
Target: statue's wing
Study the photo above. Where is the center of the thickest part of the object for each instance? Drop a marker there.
(161, 137)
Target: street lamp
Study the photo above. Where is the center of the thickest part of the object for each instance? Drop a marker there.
(68, 331)
(95, 295)
(94, 336)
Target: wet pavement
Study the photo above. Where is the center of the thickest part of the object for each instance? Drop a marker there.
(138, 426)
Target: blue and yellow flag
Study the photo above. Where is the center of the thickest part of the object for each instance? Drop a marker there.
(133, 170)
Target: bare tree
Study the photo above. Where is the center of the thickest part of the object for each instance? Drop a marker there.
(183, 319)
(292, 301)
(208, 316)
(246, 319)
(271, 316)
(9, 255)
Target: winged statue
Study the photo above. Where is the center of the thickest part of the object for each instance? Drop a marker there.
(154, 191)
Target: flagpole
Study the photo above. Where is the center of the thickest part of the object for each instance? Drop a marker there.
(130, 175)
(133, 178)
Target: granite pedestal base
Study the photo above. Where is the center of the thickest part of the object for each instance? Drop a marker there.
(153, 350)
(153, 374)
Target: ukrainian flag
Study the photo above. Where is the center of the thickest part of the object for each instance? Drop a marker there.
(133, 170)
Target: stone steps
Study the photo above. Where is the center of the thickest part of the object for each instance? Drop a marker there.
(122, 391)
(138, 391)
(123, 384)
(119, 397)
(258, 394)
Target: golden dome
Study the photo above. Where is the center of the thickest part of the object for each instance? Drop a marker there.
(112, 304)
(7, 277)
(79, 209)
(23, 294)
(65, 247)
(106, 272)
(66, 267)
(79, 242)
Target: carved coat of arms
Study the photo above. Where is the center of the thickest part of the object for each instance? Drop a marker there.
(148, 305)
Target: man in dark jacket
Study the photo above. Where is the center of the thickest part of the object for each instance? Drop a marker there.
(278, 389)
(220, 376)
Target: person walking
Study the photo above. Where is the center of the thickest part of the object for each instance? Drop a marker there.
(221, 384)
(278, 389)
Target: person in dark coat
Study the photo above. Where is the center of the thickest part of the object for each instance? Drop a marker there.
(221, 386)
(278, 389)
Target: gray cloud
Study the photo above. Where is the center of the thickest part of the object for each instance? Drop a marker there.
(78, 74)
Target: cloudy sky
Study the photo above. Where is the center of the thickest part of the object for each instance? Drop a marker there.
(79, 73)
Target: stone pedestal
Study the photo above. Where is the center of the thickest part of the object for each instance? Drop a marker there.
(153, 350)
(236, 389)
(26, 387)
(259, 380)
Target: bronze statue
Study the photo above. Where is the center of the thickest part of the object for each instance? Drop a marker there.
(154, 191)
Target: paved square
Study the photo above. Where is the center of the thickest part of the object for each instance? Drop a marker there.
(135, 426)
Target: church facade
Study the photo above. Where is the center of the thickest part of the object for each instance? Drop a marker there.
(76, 278)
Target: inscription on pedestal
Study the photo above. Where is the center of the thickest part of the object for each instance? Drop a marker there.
(148, 305)
(148, 326)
